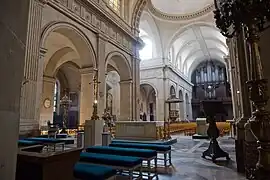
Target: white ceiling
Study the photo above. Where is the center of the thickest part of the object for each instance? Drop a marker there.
(198, 43)
(185, 46)
(180, 6)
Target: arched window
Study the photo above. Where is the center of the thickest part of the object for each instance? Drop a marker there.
(172, 92)
(147, 51)
(56, 97)
(115, 5)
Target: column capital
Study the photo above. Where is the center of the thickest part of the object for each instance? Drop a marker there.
(87, 70)
(49, 79)
(129, 81)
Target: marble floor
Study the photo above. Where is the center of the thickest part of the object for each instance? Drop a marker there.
(188, 164)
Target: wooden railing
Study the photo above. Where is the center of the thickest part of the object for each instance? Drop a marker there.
(189, 129)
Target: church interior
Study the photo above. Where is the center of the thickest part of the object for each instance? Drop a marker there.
(134, 89)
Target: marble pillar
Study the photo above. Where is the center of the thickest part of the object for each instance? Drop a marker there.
(30, 93)
(125, 100)
(46, 110)
(86, 95)
(14, 17)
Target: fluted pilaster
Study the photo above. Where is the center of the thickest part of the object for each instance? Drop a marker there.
(29, 93)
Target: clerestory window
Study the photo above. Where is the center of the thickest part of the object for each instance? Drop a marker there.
(115, 5)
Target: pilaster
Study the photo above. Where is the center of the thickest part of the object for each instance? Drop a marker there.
(46, 113)
(136, 89)
(101, 52)
(39, 102)
(86, 95)
(166, 88)
(30, 94)
(125, 100)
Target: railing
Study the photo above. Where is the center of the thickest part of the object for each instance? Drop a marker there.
(188, 129)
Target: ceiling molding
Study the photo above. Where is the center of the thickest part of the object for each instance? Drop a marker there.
(179, 17)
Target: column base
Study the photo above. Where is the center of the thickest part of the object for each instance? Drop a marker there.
(240, 155)
(29, 127)
(251, 158)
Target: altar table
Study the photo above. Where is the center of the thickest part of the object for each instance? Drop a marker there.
(139, 130)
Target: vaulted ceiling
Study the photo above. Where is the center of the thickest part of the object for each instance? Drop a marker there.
(187, 41)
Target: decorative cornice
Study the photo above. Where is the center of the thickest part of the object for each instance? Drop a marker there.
(177, 17)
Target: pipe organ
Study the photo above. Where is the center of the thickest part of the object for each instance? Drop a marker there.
(210, 83)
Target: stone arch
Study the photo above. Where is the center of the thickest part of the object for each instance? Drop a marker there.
(136, 15)
(181, 94)
(145, 84)
(117, 61)
(148, 101)
(150, 84)
(82, 44)
(68, 51)
(172, 91)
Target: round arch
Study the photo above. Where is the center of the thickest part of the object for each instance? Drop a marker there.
(81, 42)
(150, 84)
(147, 84)
(172, 91)
(120, 63)
(136, 15)
(180, 94)
(148, 101)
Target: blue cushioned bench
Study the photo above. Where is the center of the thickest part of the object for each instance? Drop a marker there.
(169, 142)
(146, 154)
(48, 142)
(161, 149)
(56, 136)
(121, 163)
(25, 143)
(85, 171)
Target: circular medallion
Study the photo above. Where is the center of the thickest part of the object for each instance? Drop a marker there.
(47, 103)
